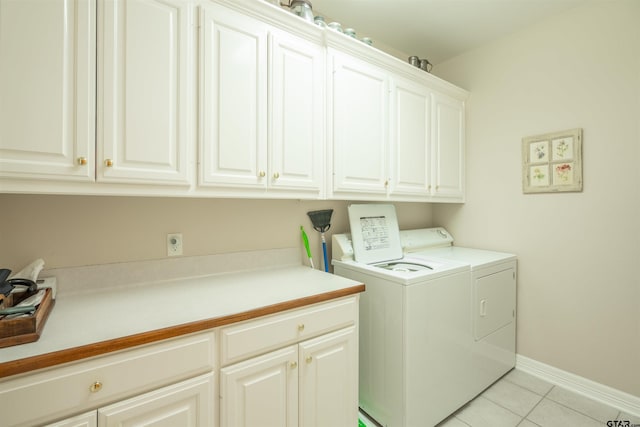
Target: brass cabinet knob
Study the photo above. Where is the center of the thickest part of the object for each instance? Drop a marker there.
(276, 175)
(95, 387)
(293, 365)
(82, 161)
(108, 163)
(301, 327)
(386, 183)
(262, 174)
(309, 359)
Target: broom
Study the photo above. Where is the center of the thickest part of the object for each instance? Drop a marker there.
(321, 222)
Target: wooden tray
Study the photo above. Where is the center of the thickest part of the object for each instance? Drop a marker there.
(26, 329)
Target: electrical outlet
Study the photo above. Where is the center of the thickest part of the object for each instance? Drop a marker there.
(174, 244)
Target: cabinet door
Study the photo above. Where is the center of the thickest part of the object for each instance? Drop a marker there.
(358, 110)
(329, 380)
(262, 391)
(144, 95)
(186, 404)
(88, 419)
(296, 113)
(410, 138)
(47, 89)
(234, 99)
(448, 147)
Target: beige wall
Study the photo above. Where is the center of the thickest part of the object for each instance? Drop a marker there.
(579, 283)
(69, 231)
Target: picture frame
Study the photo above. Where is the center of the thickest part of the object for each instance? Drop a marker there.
(552, 162)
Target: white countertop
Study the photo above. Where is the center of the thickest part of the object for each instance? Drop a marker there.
(84, 318)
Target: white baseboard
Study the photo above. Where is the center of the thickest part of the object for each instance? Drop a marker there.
(625, 402)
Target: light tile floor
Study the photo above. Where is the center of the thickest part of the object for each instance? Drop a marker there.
(520, 399)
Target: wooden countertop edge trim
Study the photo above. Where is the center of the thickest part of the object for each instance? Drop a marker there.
(47, 360)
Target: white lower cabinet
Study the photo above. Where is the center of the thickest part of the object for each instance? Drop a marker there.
(309, 384)
(172, 379)
(261, 391)
(328, 380)
(297, 368)
(88, 419)
(185, 404)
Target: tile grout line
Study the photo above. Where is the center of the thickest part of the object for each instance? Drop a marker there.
(579, 412)
(502, 406)
(544, 396)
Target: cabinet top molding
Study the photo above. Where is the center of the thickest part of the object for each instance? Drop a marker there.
(282, 19)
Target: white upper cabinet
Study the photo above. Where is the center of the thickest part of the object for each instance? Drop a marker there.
(261, 105)
(358, 105)
(448, 148)
(216, 98)
(234, 98)
(395, 133)
(296, 147)
(410, 139)
(145, 100)
(47, 89)
(427, 140)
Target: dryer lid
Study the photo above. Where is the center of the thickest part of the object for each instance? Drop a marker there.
(375, 234)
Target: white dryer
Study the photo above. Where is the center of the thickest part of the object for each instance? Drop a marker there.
(493, 293)
(415, 338)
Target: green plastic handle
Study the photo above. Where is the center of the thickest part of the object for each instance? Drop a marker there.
(305, 240)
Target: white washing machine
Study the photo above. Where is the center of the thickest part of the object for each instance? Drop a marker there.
(415, 316)
(493, 292)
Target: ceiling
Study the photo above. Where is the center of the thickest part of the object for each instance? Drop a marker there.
(437, 29)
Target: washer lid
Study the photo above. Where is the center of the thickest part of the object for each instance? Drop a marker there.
(375, 234)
